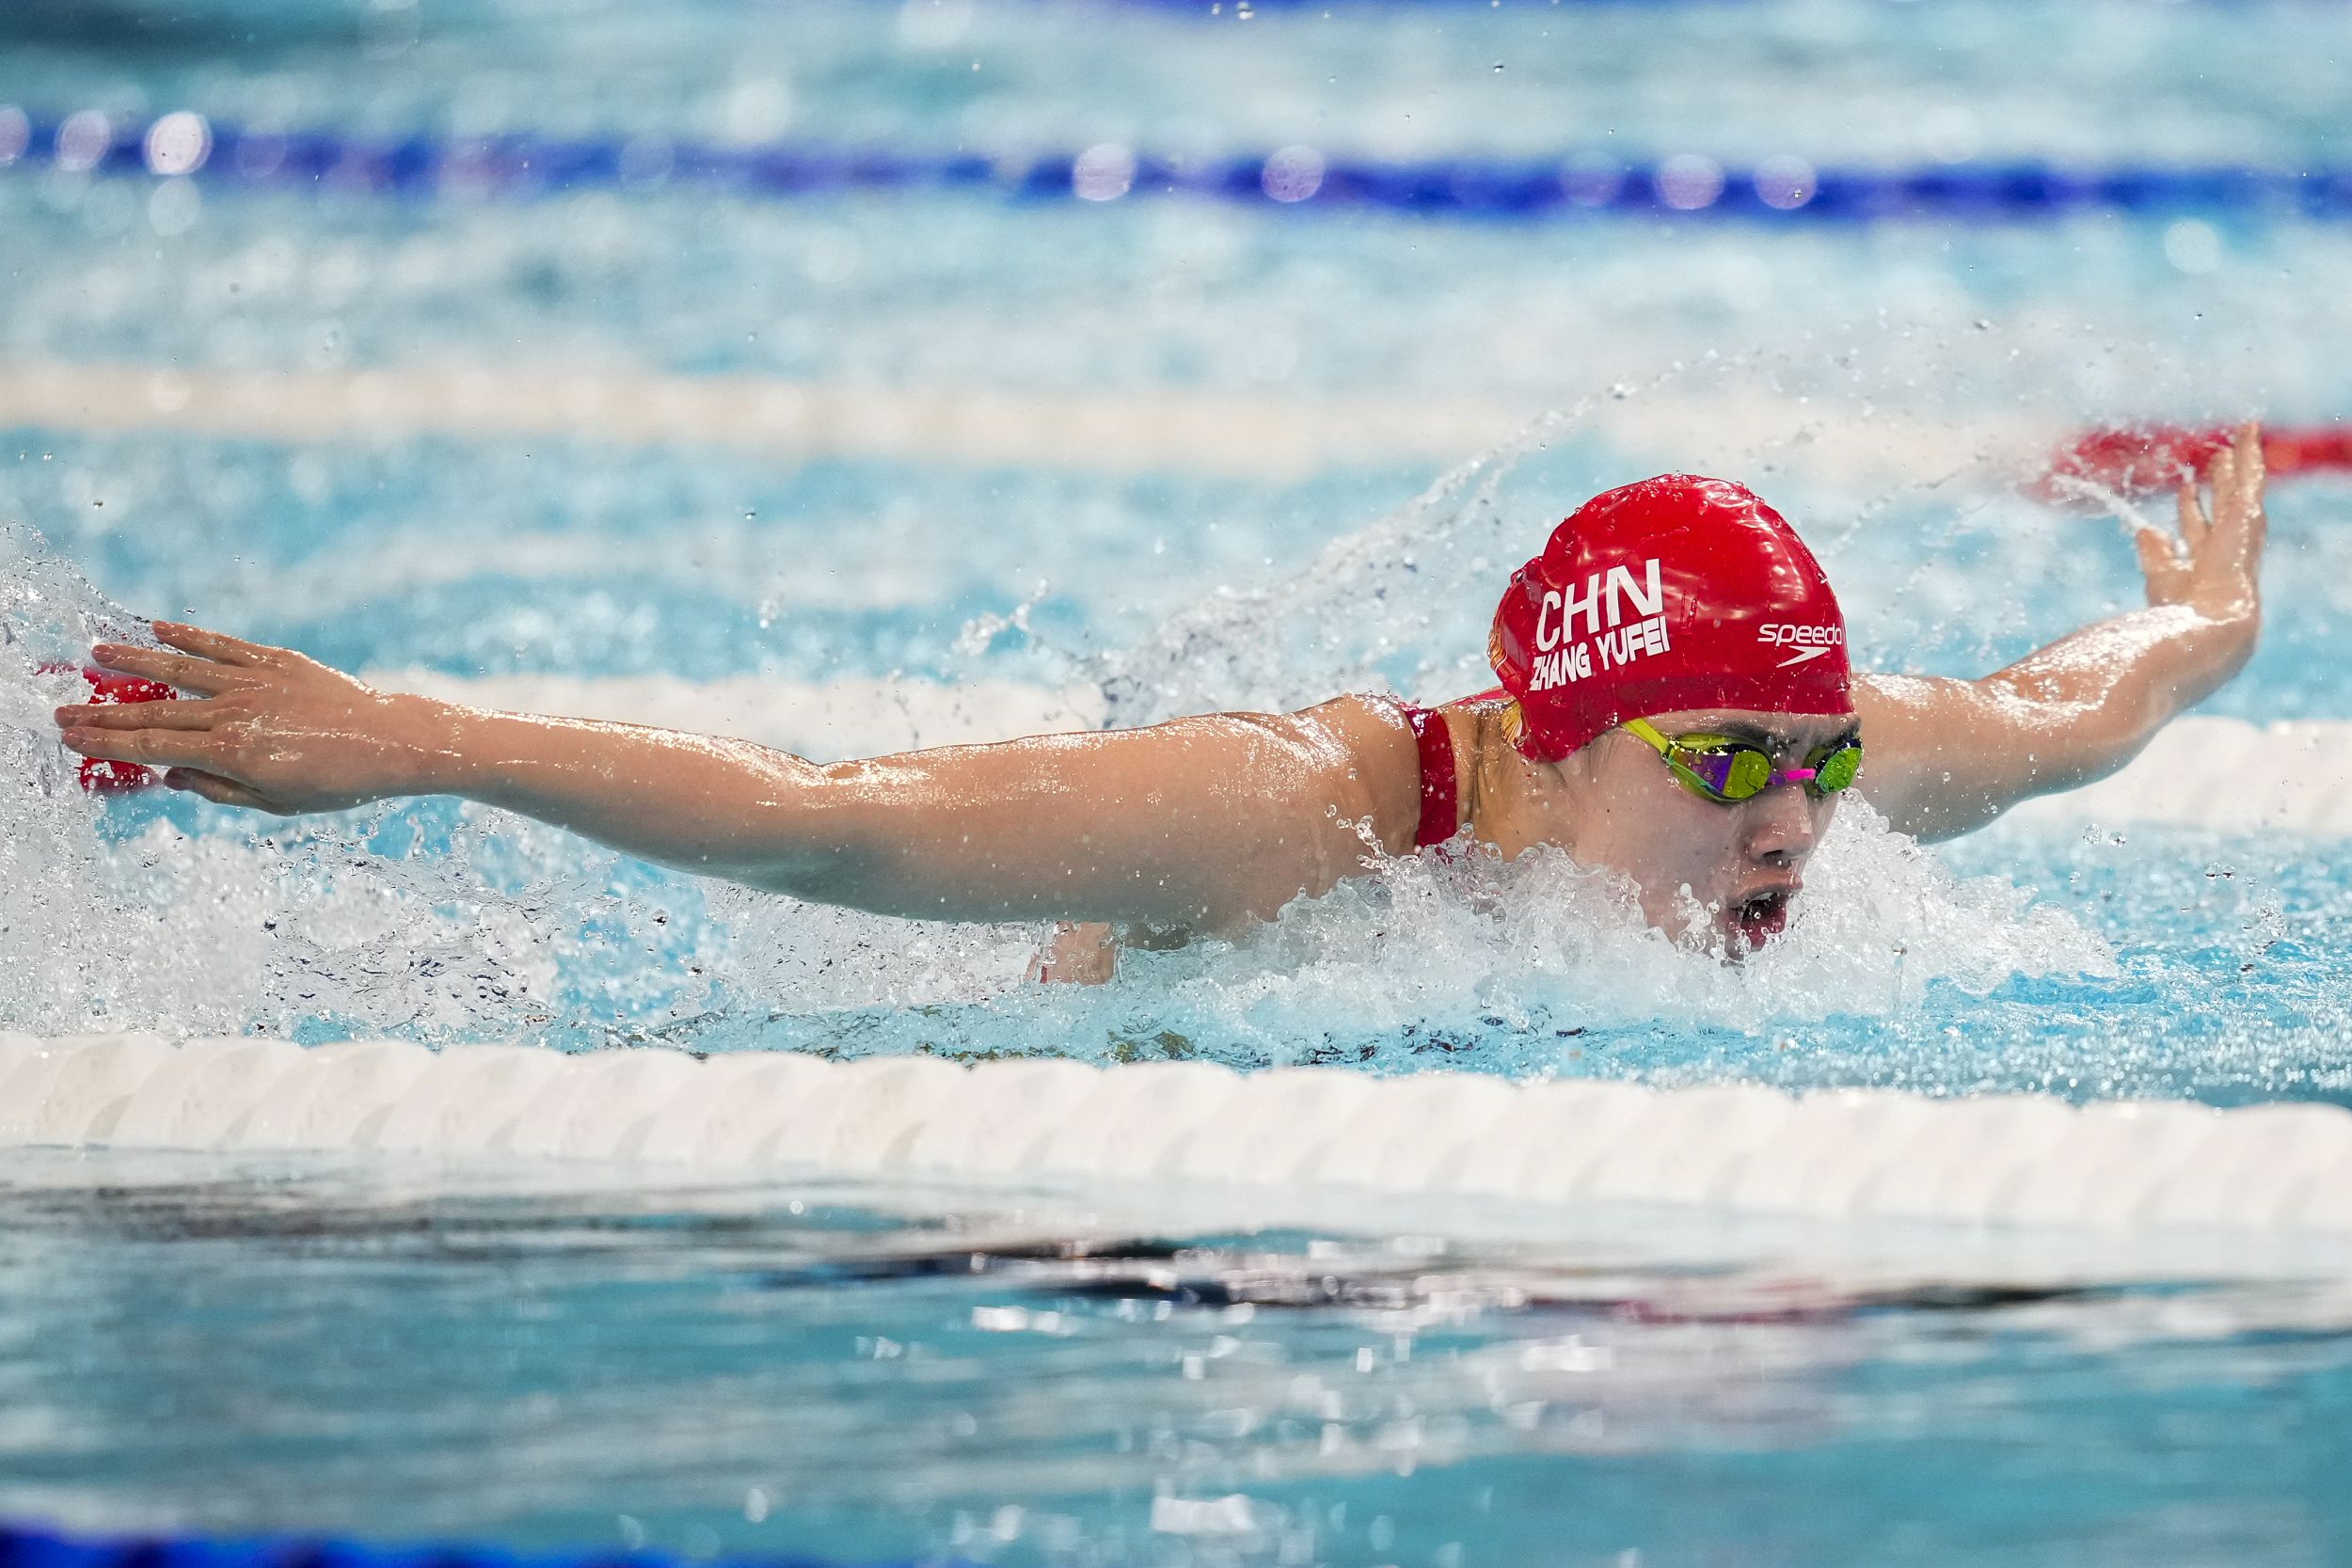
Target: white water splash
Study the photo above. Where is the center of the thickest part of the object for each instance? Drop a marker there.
(1467, 952)
(428, 920)
(442, 922)
(1880, 920)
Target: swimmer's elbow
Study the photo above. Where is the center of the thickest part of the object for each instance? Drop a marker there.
(823, 835)
(1995, 750)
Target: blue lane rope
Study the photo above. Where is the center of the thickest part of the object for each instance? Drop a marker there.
(33, 1548)
(1690, 188)
(1239, 8)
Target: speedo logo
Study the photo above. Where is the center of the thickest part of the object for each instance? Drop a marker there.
(1810, 642)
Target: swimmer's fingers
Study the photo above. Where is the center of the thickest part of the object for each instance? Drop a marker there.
(2244, 510)
(2166, 560)
(218, 646)
(220, 791)
(2225, 486)
(2217, 569)
(2160, 556)
(138, 715)
(201, 677)
(2195, 524)
(2229, 554)
(148, 747)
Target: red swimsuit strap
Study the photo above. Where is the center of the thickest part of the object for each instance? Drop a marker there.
(1440, 792)
(1441, 799)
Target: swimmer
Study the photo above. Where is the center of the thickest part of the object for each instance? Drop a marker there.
(1676, 705)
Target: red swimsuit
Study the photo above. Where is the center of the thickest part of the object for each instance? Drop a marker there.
(1440, 793)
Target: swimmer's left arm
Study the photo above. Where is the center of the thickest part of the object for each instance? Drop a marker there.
(1946, 756)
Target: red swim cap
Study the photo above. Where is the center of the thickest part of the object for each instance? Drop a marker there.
(1675, 593)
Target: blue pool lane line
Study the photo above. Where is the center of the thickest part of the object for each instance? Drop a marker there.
(27, 1548)
(1690, 187)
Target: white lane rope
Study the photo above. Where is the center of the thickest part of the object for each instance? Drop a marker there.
(2225, 775)
(1215, 432)
(2222, 774)
(1237, 433)
(1742, 1150)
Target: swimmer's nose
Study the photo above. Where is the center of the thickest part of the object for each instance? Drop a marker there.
(1781, 831)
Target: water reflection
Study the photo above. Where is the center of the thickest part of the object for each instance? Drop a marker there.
(604, 1358)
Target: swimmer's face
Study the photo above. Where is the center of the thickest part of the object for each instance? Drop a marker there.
(1742, 864)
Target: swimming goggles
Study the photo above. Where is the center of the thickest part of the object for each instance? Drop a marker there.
(1726, 771)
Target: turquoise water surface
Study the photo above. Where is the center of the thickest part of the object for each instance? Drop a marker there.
(406, 1350)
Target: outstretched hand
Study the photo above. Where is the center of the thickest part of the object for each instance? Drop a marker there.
(264, 727)
(2213, 564)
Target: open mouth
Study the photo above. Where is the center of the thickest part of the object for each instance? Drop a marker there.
(1760, 917)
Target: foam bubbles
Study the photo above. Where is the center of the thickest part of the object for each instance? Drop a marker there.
(1532, 966)
(424, 919)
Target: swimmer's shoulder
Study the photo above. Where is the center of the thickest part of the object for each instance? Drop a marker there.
(1377, 762)
(1903, 715)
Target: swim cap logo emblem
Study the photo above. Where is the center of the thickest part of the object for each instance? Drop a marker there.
(1811, 642)
(1608, 642)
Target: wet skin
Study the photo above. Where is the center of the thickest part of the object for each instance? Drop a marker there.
(1719, 877)
(1737, 867)
(1210, 823)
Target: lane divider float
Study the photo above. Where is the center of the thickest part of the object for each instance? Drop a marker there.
(2139, 460)
(1237, 433)
(1690, 185)
(27, 1545)
(1741, 1148)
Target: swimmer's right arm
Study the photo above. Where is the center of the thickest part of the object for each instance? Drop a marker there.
(1196, 824)
(1950, 755)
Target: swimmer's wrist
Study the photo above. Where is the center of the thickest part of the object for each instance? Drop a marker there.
(511, 760)
(2240, 614)
(442, 747)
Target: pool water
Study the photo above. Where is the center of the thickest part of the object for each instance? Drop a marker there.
(405, 1349)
